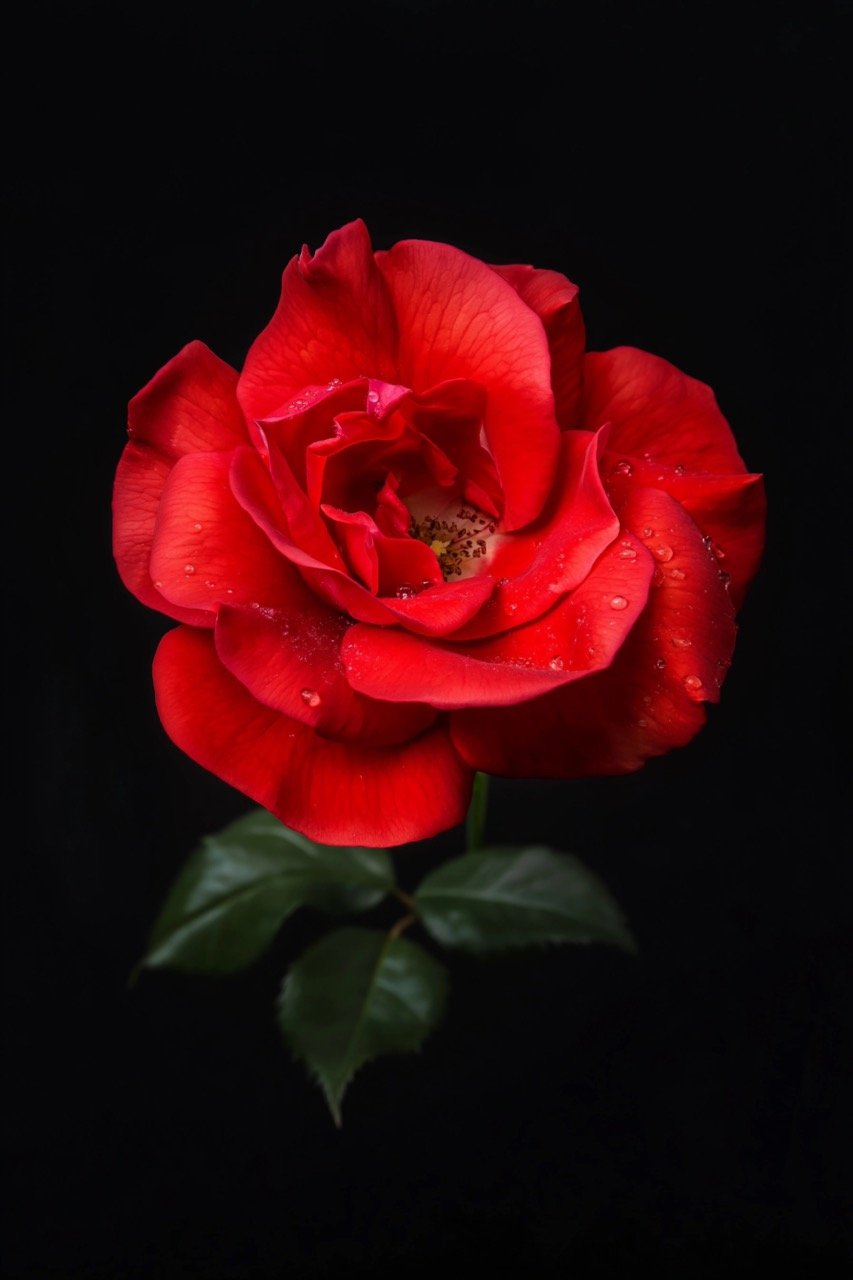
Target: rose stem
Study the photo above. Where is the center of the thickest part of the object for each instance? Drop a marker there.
(475, 823)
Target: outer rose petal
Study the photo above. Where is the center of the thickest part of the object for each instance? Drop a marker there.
(555, 301)
(581, 634)
(142, 472)
(331, 791)
(649, 700)
(730, 510)
(656, 410)
(334, 320)
(189, 406)
(458, 319)
(206, 549)
(289, 659)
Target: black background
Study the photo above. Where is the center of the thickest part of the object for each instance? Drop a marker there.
(578, 1112)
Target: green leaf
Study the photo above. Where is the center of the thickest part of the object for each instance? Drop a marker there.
(500, 898)
(356, 994)
(237, 888)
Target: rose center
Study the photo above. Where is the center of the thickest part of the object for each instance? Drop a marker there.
(456, 540)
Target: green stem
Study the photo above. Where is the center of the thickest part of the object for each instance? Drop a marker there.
(475, 823)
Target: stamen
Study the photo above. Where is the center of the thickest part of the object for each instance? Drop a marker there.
(455, 541)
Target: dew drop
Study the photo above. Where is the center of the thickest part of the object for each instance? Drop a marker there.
(591, 650)
(196, 525)
(726, 579)
(373, 397)
(311, 697)
(627, 553)
(618, 602)
(660, 663)
(209, 582)
(648, 532)
(679, 470)
(662, 552)
(623, 468)
(503, 582)
(678, 574)
(642, 723)
(405, 591)
(718, 551)
(425, 583)
(693, 683)
(229, 591)
(556, 663)
(513, 607)
(189, 569)
(708, 541)
(298, 403)
(158, 584)
(333, 384)
(680, 642)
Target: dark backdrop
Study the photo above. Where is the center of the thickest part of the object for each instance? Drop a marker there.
(578, 1112)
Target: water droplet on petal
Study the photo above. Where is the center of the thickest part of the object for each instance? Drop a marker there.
(678, 574)
(513, 607)
(718, 551)
(209, 582)
(333, 384)
(693, 684)
(196, 525)
(623, 468)
(311, 697)
(618, 602)
(229, 591)
(680, 642)
(627, 553)
(662, 552)
(189, 569)
(660, 663)
(373, 397)
(679, 470)
(725, 578)
(425, 583)
(648, 531)
(405, 591)
(556, 663)
(158, 584)
(642, 724)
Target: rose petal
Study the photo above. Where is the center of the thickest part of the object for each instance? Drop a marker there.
(189, 406)
(582, 633)
(336, 792)
(334, 320)
(206, 548)
(729, 510)
(555, 301)
(141, 474)
(649, 700)
(537, 565)
(655, 410)
(458, 319)
(289, 659)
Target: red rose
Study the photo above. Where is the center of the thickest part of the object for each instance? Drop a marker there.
(422, 534)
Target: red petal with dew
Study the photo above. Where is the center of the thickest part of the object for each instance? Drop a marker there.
(335, 792)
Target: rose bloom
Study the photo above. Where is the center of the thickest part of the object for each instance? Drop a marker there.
(425, 533)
